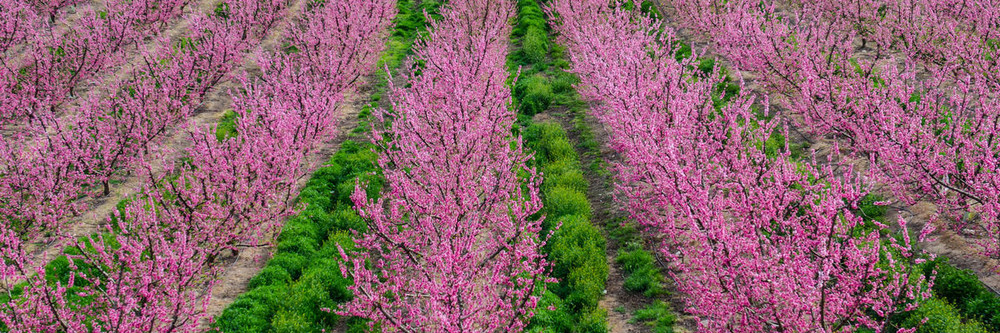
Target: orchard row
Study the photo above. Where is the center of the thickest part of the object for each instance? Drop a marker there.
(153, 264)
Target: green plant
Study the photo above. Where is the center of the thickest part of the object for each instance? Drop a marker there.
(534, 46)
(534, 93)
(658, 315)
(529, 16)
(641, 273)
(969, 296)
(286, 321)
(577, 250)
(270, 275)
(227, 126)
(940, 317)
(567, 175)
(561, 201)
(986, 309)
(956, 285)
(563, 83)
(549, 142)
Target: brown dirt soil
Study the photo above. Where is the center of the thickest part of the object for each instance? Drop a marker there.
(957, 246)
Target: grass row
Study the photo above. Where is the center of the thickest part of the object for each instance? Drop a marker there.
(302, 283)
(638, 265)
(577, 248)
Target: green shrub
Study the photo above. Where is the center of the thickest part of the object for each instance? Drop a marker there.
(633, 258)
(658, 315)
(534, 46)
(312, 293)
(226, 127)
(986, 309)
(941, 318)
(314, 197)
(560, 153)
(570, 178)
(647, 280)
(534, 94)
(563, 319)
(869, 210)
(239, 319)
(298, 227)
(595, 321)
(549, 142)
(964, 290)
(649, 8)
(290, 321)
(320, 219)
(346, 219)
(370, 182)
(291, 262)
(323, 177)
(641, 273)
(252, 311)
(563, 83)
(706, 65)
(270, 275)
(578, 254)
(303, 246)
(551, 315)
(561, 201)
(956, 285)
(529, 16)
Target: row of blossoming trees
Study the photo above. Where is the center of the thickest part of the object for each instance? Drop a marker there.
(54, 156)
(153, 267)
(47, 60)
(756, 241)
(452, 245)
